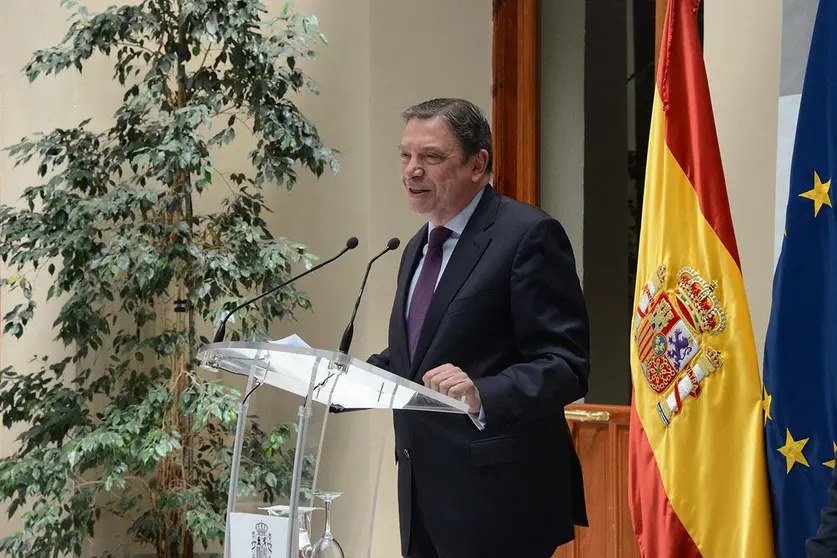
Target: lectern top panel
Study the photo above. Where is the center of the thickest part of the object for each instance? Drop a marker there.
(332, 378)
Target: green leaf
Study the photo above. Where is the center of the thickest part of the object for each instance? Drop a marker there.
(270, 480)
(141, 159)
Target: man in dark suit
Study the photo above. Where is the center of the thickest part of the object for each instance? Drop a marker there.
(488, 309)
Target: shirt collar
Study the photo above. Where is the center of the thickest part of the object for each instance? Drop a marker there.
(457, 224)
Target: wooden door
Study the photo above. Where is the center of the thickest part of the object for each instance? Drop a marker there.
(515, 98)
(600, 433)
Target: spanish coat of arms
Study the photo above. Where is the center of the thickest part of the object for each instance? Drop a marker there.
(670, 330)
(261, 544)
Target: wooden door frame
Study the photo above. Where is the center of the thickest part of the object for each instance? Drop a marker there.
(515, 93)
(515, 98)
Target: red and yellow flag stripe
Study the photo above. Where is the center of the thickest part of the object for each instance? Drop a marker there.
(697, 474)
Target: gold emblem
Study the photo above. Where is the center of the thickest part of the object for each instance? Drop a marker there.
(670, 328)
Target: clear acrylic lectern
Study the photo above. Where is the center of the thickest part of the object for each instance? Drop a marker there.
(298, 385)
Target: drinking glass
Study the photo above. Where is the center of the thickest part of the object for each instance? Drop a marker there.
(327, 546)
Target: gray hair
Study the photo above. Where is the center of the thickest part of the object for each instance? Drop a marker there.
(469, 125)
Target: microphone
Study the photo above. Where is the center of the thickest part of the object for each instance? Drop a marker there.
(346, 341)
(219, 335)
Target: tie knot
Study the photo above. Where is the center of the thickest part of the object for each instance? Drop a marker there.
(438, 236)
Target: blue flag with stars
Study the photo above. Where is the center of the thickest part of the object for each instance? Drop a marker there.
(800, 357)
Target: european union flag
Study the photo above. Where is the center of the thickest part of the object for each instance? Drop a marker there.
(800, 358)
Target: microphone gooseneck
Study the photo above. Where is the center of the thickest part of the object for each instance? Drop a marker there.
(348, 333)
(219, 334)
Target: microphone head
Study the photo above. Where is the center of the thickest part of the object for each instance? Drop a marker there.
(219, 335)
(393, 243)
(351, 244)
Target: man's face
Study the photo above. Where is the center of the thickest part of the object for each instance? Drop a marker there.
(438, 180)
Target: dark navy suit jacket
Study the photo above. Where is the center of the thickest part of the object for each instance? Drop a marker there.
(509, 311)
(824, 543)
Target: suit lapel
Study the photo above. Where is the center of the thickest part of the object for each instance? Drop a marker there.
(412, 256)
(469, 249)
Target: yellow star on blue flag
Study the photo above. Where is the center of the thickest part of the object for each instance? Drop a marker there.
(800, 353)
(818, 194)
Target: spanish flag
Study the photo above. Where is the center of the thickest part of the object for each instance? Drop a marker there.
(697, 473)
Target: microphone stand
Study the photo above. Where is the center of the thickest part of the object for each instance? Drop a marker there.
(219, 334)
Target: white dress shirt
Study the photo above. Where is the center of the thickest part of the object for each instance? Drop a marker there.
(456, 226)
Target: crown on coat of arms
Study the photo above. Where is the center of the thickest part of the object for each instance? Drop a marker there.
(697, 298)
(659, 278)
(261, 528)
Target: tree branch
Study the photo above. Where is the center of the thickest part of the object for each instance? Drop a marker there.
(203, 62)
(143, 484)
(243, 123)
(221, 174)
(137, 46)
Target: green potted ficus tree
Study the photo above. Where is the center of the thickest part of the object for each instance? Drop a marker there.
(123, 424)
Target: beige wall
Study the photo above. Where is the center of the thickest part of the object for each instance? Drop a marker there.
(742, 49)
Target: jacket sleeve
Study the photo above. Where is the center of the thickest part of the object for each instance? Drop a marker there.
(551, 328)
(824, 543)
(381, 360)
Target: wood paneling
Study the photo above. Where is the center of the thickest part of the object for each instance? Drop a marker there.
(600, 433)
(658, 36)
(515, 98)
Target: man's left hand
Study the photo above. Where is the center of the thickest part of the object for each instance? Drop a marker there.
(453, 382)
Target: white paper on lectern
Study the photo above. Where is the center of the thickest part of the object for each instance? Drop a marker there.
(293, 340)
(291, 366)
(253, 534)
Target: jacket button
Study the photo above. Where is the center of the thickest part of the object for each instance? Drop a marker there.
(406, 453)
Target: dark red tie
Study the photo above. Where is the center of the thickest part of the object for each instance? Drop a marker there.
(425, 285)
